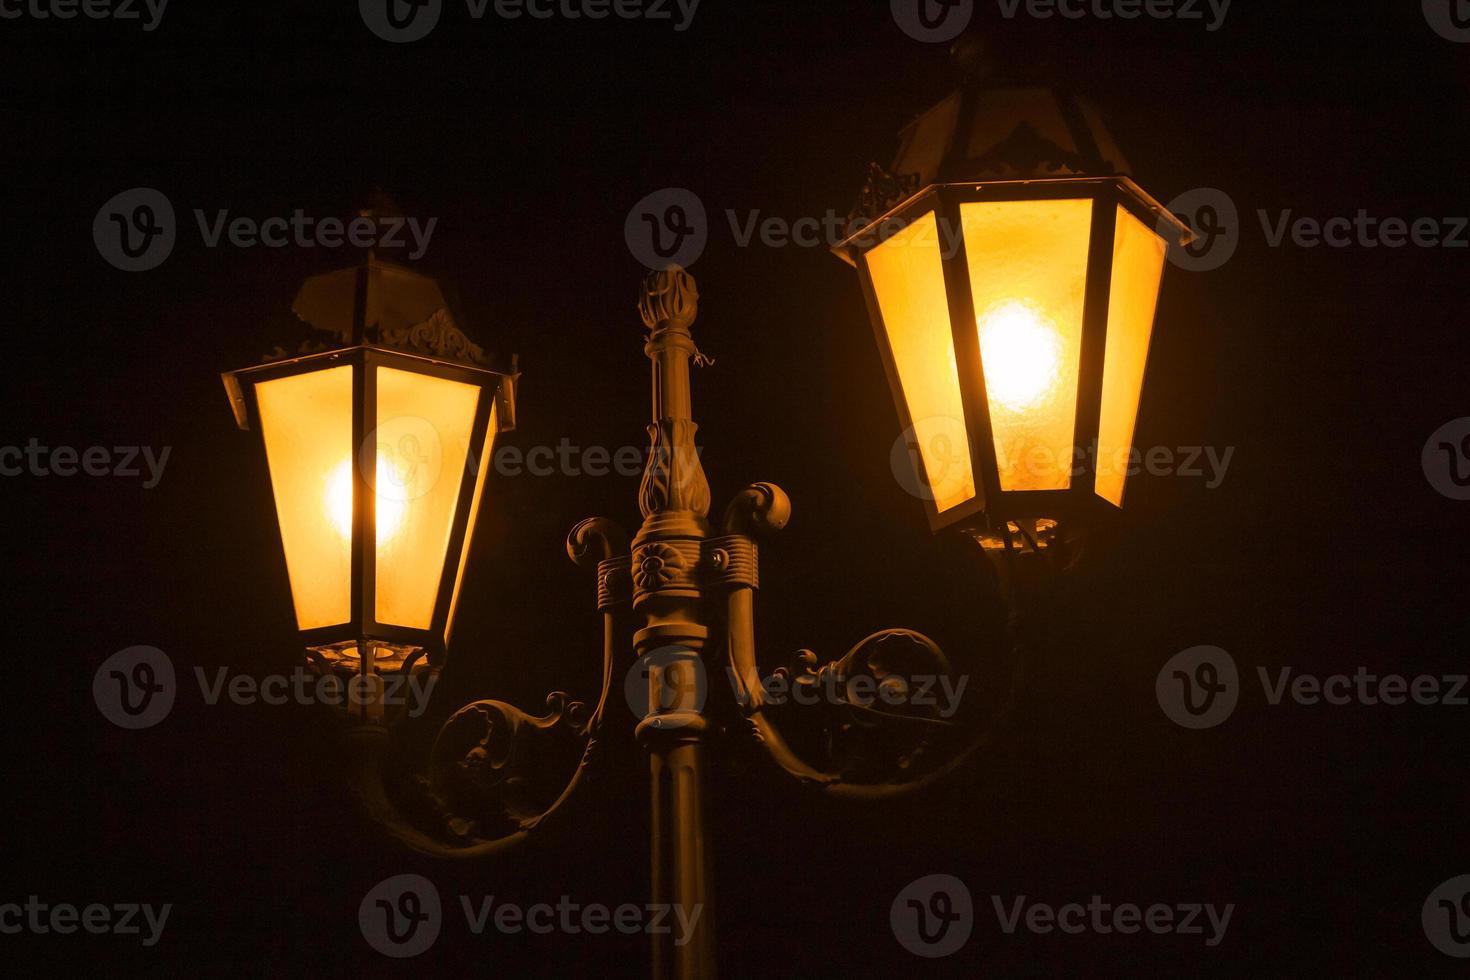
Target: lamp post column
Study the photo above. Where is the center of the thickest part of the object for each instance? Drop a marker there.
(674, 611)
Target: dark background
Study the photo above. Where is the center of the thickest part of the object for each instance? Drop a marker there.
(1325, 548)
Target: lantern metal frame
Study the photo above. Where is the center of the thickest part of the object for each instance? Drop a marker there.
(496, 389)
(992, 505)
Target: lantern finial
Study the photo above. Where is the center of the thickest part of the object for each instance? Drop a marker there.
(670, 299)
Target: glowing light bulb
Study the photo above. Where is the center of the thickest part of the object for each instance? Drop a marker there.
(391, 507)
(1021, 350)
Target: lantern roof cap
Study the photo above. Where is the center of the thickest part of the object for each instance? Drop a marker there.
(386, 304)
(992, 131)
(1000, 131)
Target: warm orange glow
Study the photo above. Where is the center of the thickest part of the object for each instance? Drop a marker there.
(418, 453)
(1028, 275)
(306, 420)
(338, 500)
(1022, 351)
(1138, 265)
(422, 440)
(908, 279)
(469, 535)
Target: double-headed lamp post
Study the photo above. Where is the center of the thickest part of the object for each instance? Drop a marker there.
(1012, 274)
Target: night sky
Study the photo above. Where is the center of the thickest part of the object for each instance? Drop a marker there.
(1325, 547)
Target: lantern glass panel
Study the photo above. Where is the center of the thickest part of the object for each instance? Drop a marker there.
(469, 534)
(421, 443)
(1028, 276)
(908, 280)
(1138, 266)
(306, 423)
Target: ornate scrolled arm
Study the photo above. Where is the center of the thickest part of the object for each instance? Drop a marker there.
(489, 765)
(761, 508)
(608, 537)
(878, 746)
(492, 766)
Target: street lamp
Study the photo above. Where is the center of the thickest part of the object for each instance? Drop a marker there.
(1012, 277)
(1012, 273)
(378, 437)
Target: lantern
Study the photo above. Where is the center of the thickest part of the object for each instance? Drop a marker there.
(1012, 273)
(378, 444)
